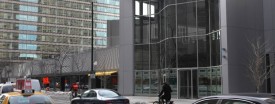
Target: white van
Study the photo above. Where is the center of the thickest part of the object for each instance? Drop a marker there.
(36, 84)
(25, 83)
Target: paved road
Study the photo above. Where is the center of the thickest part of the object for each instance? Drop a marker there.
(61, 98)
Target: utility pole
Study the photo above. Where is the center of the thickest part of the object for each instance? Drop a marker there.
(92, 72)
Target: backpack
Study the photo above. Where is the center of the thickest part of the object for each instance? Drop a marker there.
(75, 87)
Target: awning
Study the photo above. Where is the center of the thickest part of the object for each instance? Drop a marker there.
(105, 73)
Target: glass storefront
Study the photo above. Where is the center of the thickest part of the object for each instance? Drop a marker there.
(177, 41)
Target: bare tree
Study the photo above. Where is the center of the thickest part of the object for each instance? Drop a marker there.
(62, 54)
(79, 61)
(258, 72)
(42, 66)
(31, 68)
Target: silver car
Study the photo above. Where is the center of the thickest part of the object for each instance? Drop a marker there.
(100, 96)
(237, 99)
(5, 88)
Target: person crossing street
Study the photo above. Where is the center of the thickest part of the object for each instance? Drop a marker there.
(74, 89)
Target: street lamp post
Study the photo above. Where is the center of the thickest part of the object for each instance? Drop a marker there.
(92, 72)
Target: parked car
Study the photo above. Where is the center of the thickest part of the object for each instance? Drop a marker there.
(237, 99)
(25, 97)
(100, 96)
(5, 88)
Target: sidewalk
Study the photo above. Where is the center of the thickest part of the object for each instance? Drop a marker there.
(150, 100)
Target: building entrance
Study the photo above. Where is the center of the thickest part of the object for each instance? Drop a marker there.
(187, 83)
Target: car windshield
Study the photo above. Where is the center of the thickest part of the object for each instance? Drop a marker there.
(34, 99)
(107, 93)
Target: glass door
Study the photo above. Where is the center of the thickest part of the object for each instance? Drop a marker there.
(187, 83)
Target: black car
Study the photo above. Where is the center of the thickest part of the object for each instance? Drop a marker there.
(100, 96)
(237, 99)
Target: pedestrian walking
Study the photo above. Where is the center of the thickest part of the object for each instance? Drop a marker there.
(74, 89)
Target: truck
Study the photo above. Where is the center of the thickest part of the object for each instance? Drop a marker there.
(27, 83)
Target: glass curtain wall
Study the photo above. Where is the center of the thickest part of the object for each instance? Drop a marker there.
(177, 41)
(104, 10)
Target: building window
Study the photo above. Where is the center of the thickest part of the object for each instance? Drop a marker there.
(101, 25)
(101, 34)
(28, 56)
(27, 27)
(27, 46)
(27, 18)
(101, 42)
(32, 1)
(110, 2)
(28, 8)
(27, 37)
(106, 9)
(105, 17)
(146, 10)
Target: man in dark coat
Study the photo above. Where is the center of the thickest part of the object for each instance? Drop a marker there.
(165, 93)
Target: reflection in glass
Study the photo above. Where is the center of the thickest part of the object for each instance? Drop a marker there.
(138, 82)
(141, 57)
(170, 37)
(170, 53)
(209, 81)
(203, 51)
